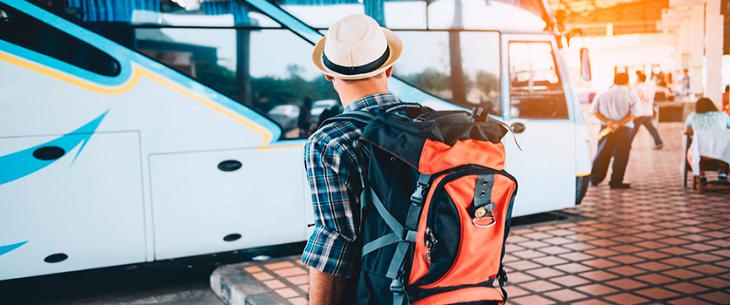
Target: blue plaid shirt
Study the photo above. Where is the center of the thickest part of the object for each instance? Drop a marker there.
(334, 171)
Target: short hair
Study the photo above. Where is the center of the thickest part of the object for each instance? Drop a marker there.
(379, 75)
(642, 77)
(727, 88)
(621, 79)
(705, 105)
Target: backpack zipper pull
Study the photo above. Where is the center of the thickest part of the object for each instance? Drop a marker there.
(430, 242)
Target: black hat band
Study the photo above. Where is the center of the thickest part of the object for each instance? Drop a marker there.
(369, 67)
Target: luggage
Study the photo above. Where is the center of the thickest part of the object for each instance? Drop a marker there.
(435, 208)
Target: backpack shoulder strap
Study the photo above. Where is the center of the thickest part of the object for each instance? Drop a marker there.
(361, 118)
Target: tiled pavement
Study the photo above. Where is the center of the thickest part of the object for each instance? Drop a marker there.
(654, 244)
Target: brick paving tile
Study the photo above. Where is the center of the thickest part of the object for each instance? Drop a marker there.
(573, 268)
(596, 289)
(565, 295)
(279, 265)
(626, 259)
(290, 271)
(298, 280)
(287, 292)
(682, 273)
(676, 251)
(523, 265)
(601, 252)
(532, 300)
(599, 263)
(688, 301)
(569, 280)
(514, 292)
(656, 293)
(262, 276)
(274, 284)
(626, 284)
(626, 298)
(576, 256)
(626, 270)
(539, 286)
(713, 282)
(653, 266)
(591, 302)
(686, 288)
(550, 260)
(704, 257)
(709, 269)
(598, 275)
(678, 261)
(655, 279)
(519, 277)
(545, 272)
(717, 297)
(652, 254)
(555, 250)
(527, 254)
(252, 269)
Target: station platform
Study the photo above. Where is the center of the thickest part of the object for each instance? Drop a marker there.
(657, 243)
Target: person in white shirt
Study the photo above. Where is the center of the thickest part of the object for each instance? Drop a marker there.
(645, 92)
(616, 109)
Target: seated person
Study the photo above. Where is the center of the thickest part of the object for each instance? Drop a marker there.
(707, 117)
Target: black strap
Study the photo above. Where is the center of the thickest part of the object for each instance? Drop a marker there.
(483, 194)
(501, 280)
(358, 117)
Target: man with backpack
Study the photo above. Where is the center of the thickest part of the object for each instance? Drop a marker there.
(411, 205)
(357, 55)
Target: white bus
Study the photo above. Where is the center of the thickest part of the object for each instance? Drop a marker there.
(137, 131)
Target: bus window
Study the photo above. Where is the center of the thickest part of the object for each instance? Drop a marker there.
(47, 40)
(458, 66)
(535, 88)
(228, 46)
(422, 14)
(394, 14)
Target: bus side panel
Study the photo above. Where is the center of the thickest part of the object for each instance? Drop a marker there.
(86, 205)
(218, 201)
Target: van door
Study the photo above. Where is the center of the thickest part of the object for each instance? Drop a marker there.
(540, 117)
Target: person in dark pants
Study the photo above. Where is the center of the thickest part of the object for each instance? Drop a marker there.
(616, 109)
(645, 92)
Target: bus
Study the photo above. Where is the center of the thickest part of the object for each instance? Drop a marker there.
(148, 130)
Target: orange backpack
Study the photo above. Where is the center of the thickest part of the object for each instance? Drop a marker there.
(436, 207)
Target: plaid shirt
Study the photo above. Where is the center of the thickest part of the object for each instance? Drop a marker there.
(334, 171)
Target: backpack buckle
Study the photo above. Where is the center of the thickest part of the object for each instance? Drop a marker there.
(421, 186)
(396, 285)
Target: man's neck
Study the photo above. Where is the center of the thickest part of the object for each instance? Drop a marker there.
(357, 91)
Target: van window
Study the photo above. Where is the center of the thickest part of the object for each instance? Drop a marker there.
(47, 40)
(535, 88)
(228, 46)
(461, 67)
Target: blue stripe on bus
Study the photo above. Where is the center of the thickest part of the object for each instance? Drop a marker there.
(22, 163)
(7, 248)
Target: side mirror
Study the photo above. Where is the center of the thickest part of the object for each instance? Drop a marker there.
(585, 64)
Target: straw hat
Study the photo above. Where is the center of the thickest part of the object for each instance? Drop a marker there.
(356, 47)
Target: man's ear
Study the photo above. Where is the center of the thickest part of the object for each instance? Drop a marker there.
(329, 78)
(389, 71)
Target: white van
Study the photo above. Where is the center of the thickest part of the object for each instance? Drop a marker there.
(166, 129)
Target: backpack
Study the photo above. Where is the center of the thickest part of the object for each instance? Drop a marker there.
(436, 207)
